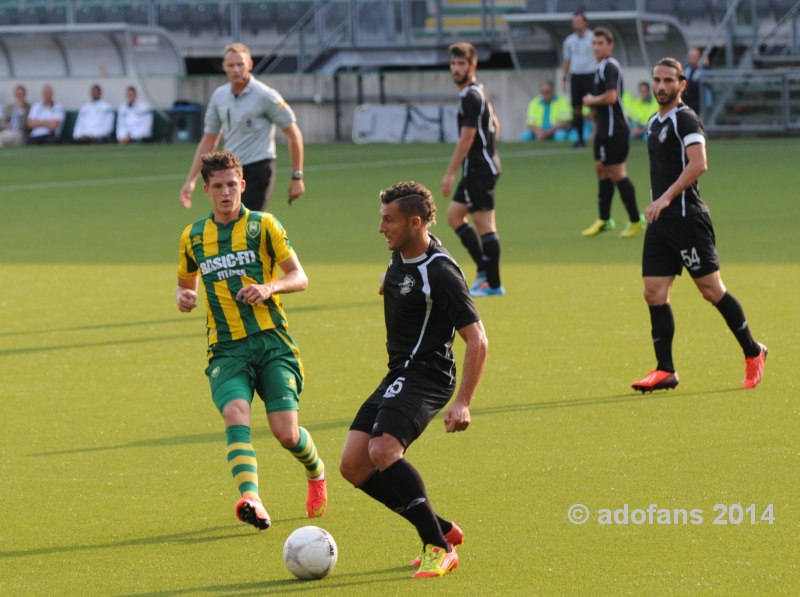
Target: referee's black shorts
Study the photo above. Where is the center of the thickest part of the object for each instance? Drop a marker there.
(672, 243)
(403, 405)
(580, 85)
(259, 180)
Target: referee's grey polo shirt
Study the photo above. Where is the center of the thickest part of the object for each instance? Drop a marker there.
(578, 50)
(247, 122)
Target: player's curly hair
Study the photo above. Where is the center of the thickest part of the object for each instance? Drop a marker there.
(413, 199)
(217, 161)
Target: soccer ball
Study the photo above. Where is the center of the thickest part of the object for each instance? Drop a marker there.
(310, 553)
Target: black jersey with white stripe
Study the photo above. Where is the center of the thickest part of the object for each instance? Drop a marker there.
(668, 137)
(610, 119)
(475, 111)
(425, 301)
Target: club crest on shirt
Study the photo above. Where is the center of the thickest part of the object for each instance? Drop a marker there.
(253, 229)
(197, 240)
(406, 285)
(662, 136)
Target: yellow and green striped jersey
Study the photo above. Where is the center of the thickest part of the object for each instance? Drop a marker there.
(228, 257)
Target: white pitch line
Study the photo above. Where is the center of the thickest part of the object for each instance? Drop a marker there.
(94, 182)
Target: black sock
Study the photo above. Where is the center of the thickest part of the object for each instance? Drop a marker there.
(627, 193)
(491, 251)
(662, 331)
(733, 313)
(418, 511)
(378, 489)
(577, 123)
(605, 192)
(469, 238)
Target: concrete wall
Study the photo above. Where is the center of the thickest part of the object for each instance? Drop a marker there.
(311, 96)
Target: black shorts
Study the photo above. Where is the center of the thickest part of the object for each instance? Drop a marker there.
(670, 244)
(476, 190)
(402, 406)
(259, 179)
(580, 85)
(612, 150)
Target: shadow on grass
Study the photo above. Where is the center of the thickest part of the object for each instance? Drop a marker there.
(118, 341)
(184, 319)
(291, 586)
(344, 424)
(206, 535)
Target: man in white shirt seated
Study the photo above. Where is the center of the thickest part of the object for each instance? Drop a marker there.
(45, 119)
(134, 119)
(95, 123)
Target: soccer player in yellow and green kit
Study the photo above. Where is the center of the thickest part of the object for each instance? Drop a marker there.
(237, 253)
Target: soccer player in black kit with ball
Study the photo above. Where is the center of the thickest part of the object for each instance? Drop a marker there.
(426, 301)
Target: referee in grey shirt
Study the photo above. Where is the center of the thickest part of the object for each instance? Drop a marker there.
(579, 64)
(244, 112)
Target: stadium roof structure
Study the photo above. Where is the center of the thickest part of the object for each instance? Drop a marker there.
(76, 50)
(641, 37)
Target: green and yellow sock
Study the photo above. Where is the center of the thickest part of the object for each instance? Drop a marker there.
(306, 452)
(242, 459)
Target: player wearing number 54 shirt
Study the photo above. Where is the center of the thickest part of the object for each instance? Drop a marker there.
(680, 233)
(426, 301)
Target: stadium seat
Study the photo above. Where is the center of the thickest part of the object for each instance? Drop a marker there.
(172, 16)
(536, 6)
(289, 13)
(203, 16)
(257, 16)
(691, 10)
(8, 16)
(90, 14)
(31, 16)
(56, 15)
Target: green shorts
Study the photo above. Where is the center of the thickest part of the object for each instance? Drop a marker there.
(268, 363)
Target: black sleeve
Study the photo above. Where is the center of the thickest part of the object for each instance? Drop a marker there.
(449, 289)
(611, 74)
(471, 108)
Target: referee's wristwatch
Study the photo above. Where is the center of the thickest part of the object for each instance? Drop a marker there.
(297, 175)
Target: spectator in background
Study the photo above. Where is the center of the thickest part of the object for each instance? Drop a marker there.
(639, 109)
(134, 119)
(45, 119)
(95, 123)
(693, 71)
(13, 122)
(579, 66)
(549, 116)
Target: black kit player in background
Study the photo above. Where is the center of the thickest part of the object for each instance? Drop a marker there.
(611, 140)
(426, 302)
(476, 155)
(680, 233)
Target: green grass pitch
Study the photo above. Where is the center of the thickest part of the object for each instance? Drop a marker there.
(114, 479)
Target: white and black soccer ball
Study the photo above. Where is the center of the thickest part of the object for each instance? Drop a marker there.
(310, 553)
